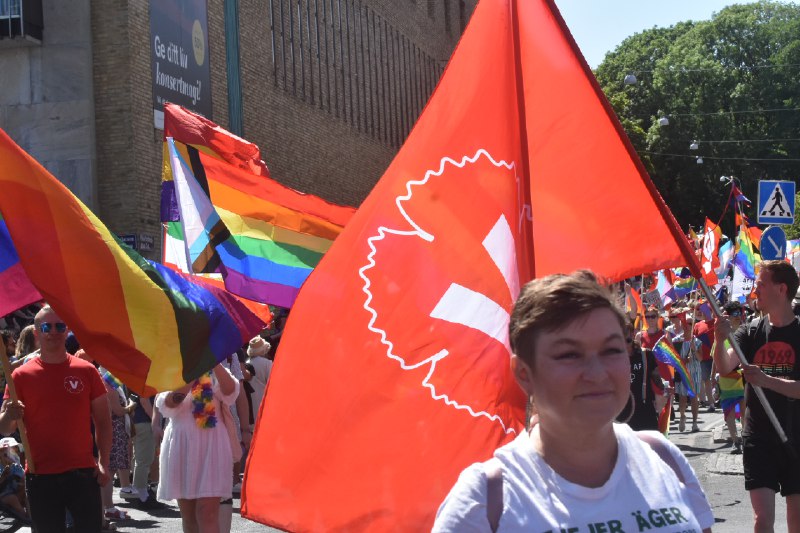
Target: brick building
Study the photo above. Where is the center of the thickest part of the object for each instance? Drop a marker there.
(328, 89)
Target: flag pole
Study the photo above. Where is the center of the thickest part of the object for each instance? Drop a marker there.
(527, 204)
(758, 390)
(12, 392)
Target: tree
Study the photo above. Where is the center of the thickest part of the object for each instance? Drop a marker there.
(722, 82)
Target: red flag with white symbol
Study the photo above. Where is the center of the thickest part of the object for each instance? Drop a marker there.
(709, 258)
(393, 372)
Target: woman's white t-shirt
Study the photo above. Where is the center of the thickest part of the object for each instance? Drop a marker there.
(643, 493)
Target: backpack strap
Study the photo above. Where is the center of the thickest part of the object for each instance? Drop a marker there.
(663, 453)
(494, 492)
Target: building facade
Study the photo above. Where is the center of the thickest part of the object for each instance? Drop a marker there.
(328, 89)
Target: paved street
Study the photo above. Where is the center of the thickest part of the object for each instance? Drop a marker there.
(708, 452)
(721, 475)
(167, 520)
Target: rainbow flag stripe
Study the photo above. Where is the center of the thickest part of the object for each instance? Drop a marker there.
(109, 378)
(745, 257)
(665, 352)
(148, 325)
(17, 290)
(264, 238)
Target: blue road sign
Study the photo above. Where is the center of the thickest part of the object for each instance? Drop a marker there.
(775, 202)
(773, 243)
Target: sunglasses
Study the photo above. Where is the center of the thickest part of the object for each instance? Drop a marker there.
(47, 327)
(735, 313)
(651, 316)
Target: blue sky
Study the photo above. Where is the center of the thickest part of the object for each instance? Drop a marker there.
(599, 26)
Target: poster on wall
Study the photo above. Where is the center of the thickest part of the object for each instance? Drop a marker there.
(179, 56)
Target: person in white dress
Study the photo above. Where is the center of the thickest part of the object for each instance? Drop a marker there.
(196, 459)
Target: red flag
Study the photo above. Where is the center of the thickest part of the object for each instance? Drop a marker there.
(709, 258)
(393, 372)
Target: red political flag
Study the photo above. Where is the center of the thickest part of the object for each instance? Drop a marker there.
(709, 254)
(393, 372)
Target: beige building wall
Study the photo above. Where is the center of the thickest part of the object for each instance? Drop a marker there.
(81, 101)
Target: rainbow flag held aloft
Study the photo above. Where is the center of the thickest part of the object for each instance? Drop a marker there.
(16, 290)
(683, 286)
(110, 379)
(151, 327)
(665, 352)
(264, 238)
(745, 258)
(664, 287)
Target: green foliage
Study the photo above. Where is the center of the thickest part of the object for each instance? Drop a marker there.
(698, 74)
(793, 231)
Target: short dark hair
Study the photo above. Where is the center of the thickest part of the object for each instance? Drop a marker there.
(782, 272)
(552, 303)
(732, 306)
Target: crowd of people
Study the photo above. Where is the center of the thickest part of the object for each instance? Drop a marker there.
(189, 445)
(586, 365)
(595, 458)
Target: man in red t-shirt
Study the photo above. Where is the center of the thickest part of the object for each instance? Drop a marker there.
(59, 396)
(704, 331)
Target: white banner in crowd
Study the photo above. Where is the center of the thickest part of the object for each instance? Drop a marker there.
(741, 286)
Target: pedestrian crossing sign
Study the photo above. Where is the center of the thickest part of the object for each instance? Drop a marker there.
(776, 202)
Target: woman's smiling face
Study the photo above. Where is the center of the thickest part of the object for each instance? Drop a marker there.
(581, 372)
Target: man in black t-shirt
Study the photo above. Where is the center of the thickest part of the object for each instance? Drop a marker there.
(771, 345)
(640, 412)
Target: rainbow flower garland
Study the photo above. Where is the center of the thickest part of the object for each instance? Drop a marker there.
(203, 403)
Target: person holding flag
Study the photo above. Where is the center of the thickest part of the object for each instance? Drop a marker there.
(771, 345)
(575, 469)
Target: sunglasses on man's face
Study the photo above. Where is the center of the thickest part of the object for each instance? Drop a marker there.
(47, 327)
(735, 313)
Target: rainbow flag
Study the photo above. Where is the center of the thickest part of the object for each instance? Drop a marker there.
(683, 286)
(109, 378)
(16, 290)
(264, 238)
(745, 258)
(665, 352)
(664, 287)
(148, 325)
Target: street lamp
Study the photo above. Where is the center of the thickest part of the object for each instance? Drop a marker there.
(699, 160)
(630, 79)
(663, 121)
(694, 146)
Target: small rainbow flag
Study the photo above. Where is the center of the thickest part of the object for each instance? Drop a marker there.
(109, 378)
(665, 352)
(683, 286)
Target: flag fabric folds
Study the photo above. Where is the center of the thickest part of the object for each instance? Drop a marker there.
(684, 286)
(709, 258)
(665, 352)
(725, 258)
(148, 325)
(406, 376)
(745, 258)
(664, 287)
(17, 291)
(264, 238)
